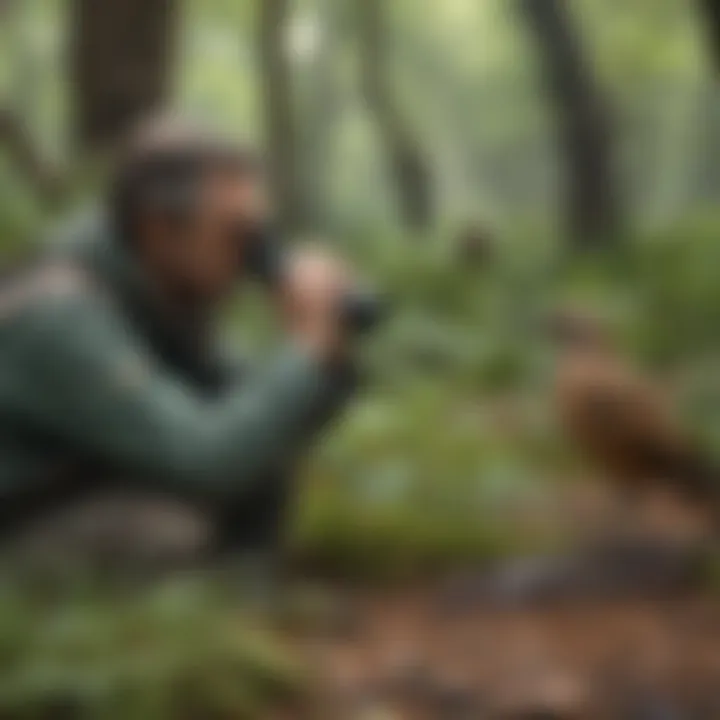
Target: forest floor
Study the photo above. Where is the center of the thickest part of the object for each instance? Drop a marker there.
(406, 658)
(619, 635)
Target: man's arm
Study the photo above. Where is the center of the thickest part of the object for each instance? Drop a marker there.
(79, 375)
(342, 382)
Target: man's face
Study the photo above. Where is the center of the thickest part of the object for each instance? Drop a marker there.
(204, 257)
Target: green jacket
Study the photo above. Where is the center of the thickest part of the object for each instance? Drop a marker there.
(92, 373)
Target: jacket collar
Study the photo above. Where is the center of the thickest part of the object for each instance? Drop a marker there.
(175, 331)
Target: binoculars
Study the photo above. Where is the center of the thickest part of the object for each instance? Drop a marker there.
(264, 259)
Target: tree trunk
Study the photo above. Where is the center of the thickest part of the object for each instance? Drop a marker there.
(321, 108)
(408, 165)
(593, 203)
(121, 65)
(710, 18)
(279, 117)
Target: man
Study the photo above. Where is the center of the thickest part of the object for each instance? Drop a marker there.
(126, 438)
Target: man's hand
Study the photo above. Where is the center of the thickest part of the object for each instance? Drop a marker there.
(313, 288)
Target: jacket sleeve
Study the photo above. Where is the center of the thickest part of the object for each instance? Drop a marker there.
(341, 382)
(79, 374)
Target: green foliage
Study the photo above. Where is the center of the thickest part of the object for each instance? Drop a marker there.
(179, 652)
(453, 453)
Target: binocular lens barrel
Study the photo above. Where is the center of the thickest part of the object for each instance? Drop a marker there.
(264, 258)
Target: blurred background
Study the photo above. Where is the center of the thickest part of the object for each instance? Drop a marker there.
(485, 162)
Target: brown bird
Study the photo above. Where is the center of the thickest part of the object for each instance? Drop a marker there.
(625, 425)
(622, 421)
